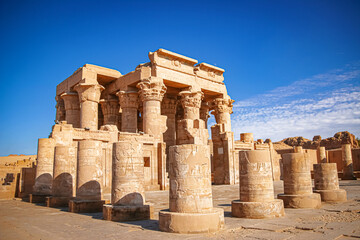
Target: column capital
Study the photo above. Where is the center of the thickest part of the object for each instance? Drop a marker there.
(128, 99)
(71, 100)
(89, 91)
(168, 106)
(222, 105)
(110, 105)
(191, 99)
(151, 89)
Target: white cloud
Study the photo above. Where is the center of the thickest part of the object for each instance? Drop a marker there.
(321, 105)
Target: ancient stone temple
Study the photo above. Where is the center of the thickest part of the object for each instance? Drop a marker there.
(164, 102)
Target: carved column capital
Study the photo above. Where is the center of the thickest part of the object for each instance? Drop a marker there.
(191, 99)
(151, 89)
(110, 105)
(89, 92)
(128, 99)
(222, 105)
(71, 101)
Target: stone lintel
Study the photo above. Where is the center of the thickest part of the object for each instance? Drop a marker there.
(173, 56)
(208, 67)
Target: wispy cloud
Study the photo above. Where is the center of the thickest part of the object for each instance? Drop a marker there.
(320, 105)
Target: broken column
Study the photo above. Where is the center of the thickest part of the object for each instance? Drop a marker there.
(128, 193)
(64, 183)
(297, 183)
(327, 183)
(89, 178)
(190, 205)
(298, 149)
(89, 96)
(44, 170)
(348, 168)
(256, 188)
(322, 154)
(247, 137)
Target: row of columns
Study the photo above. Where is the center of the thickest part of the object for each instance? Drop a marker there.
(80, 108)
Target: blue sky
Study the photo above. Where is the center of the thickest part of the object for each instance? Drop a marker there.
(291, 66)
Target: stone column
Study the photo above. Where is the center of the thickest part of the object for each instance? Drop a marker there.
(89, 178)
(44, 170)
(89, 96)
(129, 104)
(322, 154)
(256, 188)
(72, 108)
(128, 193)
(222, 110)
(110, 108)
(191, 103)
(64, 184)
(168, 108)
(348, 168)
(247, 137)
(327, 184)
(204, 112)
(297, 183)
(191, 129)
(60, 109)
(151, 93)
(191, 209)
(298, 149)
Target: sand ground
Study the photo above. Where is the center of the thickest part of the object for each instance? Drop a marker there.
(22, 220)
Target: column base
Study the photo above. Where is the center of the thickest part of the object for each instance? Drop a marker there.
(127, 213)
(57, 201)
(37, 198)
(338, 195)
(191, 222)
(86, 206)
(257, 210)
(312, 200)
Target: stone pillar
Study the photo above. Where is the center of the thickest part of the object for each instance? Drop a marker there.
(298, 149)
(44, 170)
(151, 93)
(89, 96)
(247, 137)
(297, 183)
(348, 168)
(204, 112)
(222, 110)
(191, 103)
(256, 188)
(60, 109)
(110, 108)
(191, 129)
(327, 184)
(128, 193)
(129, 104)
(72, 108)
(322, 154)
(191, 209)
(89, 178)
(64, 184)
(168, 108)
